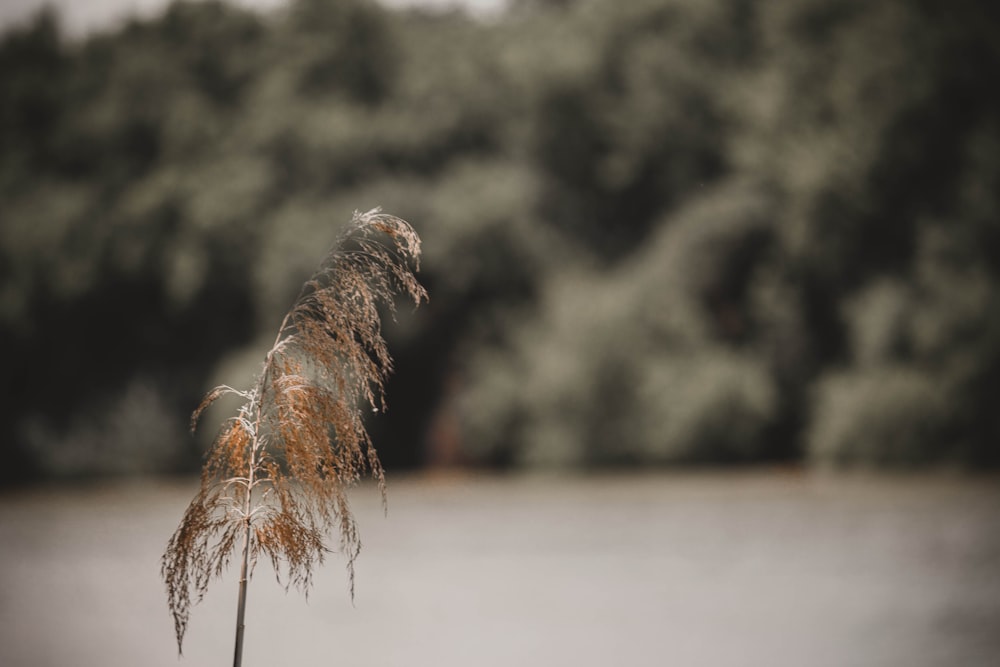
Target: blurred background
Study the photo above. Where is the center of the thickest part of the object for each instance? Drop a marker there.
(660, 237)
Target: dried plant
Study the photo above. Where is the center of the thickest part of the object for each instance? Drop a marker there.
(276, 475)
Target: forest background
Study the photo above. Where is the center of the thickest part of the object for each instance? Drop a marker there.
(656, 232)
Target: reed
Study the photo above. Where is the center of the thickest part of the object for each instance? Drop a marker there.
(275, 478)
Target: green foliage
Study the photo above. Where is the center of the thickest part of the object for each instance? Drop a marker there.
(638, 130)
(597, 378)
(878, 417)
(344, 48)
(621, 203)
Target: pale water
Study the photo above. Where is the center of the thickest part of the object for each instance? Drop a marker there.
(766, 569)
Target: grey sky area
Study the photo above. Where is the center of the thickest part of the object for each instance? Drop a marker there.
(82, 17)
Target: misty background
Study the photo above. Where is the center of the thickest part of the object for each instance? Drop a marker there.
(657, 233)
(706, 278)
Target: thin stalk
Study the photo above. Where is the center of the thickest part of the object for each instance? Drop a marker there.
(241, 606)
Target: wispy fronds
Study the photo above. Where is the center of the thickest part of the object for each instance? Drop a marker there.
(277, 473)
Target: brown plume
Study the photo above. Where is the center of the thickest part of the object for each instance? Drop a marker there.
(276, 475)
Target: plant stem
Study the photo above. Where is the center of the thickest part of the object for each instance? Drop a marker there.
(242, 605)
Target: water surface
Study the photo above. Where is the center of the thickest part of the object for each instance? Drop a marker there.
(683, 569)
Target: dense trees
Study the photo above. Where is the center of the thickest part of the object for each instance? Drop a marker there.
(658, 232)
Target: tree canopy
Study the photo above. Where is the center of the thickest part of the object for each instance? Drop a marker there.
(655, 232)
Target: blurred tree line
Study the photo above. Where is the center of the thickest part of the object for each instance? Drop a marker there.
(661, 231)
